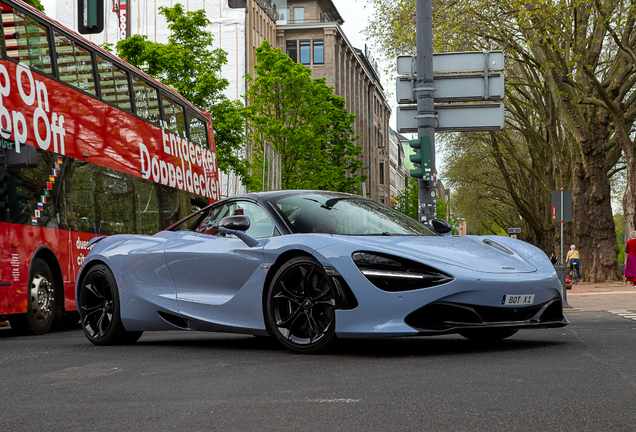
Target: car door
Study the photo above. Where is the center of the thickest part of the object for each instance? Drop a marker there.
(208, 267)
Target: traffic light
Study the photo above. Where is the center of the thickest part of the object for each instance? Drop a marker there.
(423, 158)
(90, 17)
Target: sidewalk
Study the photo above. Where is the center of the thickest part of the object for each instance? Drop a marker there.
(609, 296)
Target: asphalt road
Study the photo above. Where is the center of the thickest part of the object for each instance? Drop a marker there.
(578, 378)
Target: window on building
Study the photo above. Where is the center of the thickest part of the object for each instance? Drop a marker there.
(319, 52)
(292, 50)
(381, 172)
(283, 14)
(299, 15)
(305, 52)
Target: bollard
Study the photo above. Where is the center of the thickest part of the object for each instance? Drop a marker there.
(561, 274)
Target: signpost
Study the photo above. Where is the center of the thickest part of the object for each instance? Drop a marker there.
(455, 118)
(418, 85)
(455, 88)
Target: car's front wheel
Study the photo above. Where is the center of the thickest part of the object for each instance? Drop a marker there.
(99, 309)
(487, 335)
(301, 306)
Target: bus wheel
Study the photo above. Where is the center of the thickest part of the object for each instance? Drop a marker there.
(42, 301)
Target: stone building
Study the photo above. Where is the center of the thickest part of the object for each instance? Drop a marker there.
(310, 32)
(399, 174)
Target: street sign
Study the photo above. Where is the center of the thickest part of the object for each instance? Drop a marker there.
(555, 213)
(456, 88)
(455, 118)
(468, 61)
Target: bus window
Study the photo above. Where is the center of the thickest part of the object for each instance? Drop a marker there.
(33, 190)
(74, 63)
(146, 101)
(113, 83)
(173, 115)
(197, 130)
(26, 40)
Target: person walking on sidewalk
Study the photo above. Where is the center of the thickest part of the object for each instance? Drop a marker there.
(630, 258)
(573, 260)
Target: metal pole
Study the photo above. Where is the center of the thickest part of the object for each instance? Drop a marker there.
(425, 103)
(561, 219)
(565, 290)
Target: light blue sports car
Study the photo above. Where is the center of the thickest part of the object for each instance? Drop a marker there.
(308, 267)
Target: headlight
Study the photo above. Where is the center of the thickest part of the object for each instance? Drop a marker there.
(397, 274)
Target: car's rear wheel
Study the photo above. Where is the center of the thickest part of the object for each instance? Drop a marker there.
(99, 309)
(42, 301)
(487, 335)
(301, 306)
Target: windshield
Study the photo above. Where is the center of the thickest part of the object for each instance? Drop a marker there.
(317, 213)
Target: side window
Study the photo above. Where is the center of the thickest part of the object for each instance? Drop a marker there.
(146, 100)
(26, 40)
(210, 224)
(198, 133)
(261, 225)
(173, 116)
(75, 64)
(113, 83)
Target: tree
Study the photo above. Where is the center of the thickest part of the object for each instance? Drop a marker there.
(189, 65)
(572, 103)
(36, 4)
(407, 201)
(304, 121)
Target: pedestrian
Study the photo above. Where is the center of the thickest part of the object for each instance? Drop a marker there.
(553, 259)
(630, 259)
(573, 259)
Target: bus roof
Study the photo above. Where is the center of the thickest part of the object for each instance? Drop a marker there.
(106, 53)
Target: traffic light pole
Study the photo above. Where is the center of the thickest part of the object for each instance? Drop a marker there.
(424, 92)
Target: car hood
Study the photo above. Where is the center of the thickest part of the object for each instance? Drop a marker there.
(470, 253)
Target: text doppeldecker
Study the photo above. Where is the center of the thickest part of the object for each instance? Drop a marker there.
(182, 175)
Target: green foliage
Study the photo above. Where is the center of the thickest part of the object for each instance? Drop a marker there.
(304, 121)
(36, 4)
(188, 64)
(619, 223)
(407, 202)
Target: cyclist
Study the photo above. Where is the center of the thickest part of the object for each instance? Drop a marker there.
(573, 259)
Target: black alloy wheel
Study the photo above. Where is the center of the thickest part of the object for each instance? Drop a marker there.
(301, 306)
(99, 309)
(487, 335)
(42, 301)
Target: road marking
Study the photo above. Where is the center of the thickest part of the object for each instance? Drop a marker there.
(625, 314)
(334, 400)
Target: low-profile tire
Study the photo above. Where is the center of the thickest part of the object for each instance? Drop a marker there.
(487, 335)
(301, 307)
(42, 301)
(98, 305)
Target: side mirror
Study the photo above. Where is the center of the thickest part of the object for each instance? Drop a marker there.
(442, 227)
(238, 223)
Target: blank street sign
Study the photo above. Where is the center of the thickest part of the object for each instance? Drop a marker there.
(455, 118)
(455, 88)
(468, 61)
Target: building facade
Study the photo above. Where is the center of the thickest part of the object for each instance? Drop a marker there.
(399, 174)
(310, 32)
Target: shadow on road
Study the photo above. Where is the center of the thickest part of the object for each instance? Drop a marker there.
(378, 348)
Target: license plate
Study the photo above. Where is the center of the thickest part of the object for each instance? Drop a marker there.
(517, 300)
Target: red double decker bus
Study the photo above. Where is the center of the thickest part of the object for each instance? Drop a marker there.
(88, 146)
